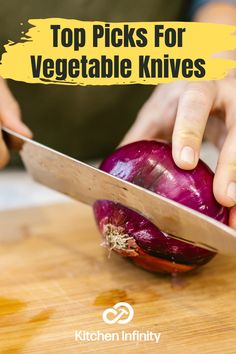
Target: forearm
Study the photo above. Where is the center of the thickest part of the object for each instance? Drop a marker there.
(217, 12)
(222, 13)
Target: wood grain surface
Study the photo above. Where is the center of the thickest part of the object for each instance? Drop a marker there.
(55, 279)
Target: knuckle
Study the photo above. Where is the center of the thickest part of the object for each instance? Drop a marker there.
(205, 86)
(199, 92)
(187, 135)
(194, 98)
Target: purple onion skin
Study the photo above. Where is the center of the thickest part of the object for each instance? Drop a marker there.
(150, 164)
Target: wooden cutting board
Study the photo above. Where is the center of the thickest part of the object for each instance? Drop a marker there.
(55, 279)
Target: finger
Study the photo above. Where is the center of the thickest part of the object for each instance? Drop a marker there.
(224, 185)
(193, 111)
(10, 115)
(232, 218)
(4, 155)
(154, 120)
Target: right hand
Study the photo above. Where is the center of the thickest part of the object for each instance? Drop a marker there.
(10, 117)
(182, 112)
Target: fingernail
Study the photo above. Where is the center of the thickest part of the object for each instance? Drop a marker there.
(231, 191)
(187, 155)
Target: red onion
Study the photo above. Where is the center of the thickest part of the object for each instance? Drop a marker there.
(150, 164)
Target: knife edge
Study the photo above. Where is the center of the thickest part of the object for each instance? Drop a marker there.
(40, 159)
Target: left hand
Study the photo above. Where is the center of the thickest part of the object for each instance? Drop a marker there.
(183, 111)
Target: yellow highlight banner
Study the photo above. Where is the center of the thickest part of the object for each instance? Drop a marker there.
(63, 51)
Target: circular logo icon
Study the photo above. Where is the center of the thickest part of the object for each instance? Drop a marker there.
(121, 313)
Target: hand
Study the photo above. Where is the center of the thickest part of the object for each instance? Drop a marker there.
(9, 117)
(183, 111)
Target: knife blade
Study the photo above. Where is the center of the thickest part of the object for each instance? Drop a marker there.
(87, 184)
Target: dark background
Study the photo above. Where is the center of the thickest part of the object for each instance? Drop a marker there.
(84, 122)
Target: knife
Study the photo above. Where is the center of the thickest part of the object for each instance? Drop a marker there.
(88, 184)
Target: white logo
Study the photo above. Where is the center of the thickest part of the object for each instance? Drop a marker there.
(119, 310)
